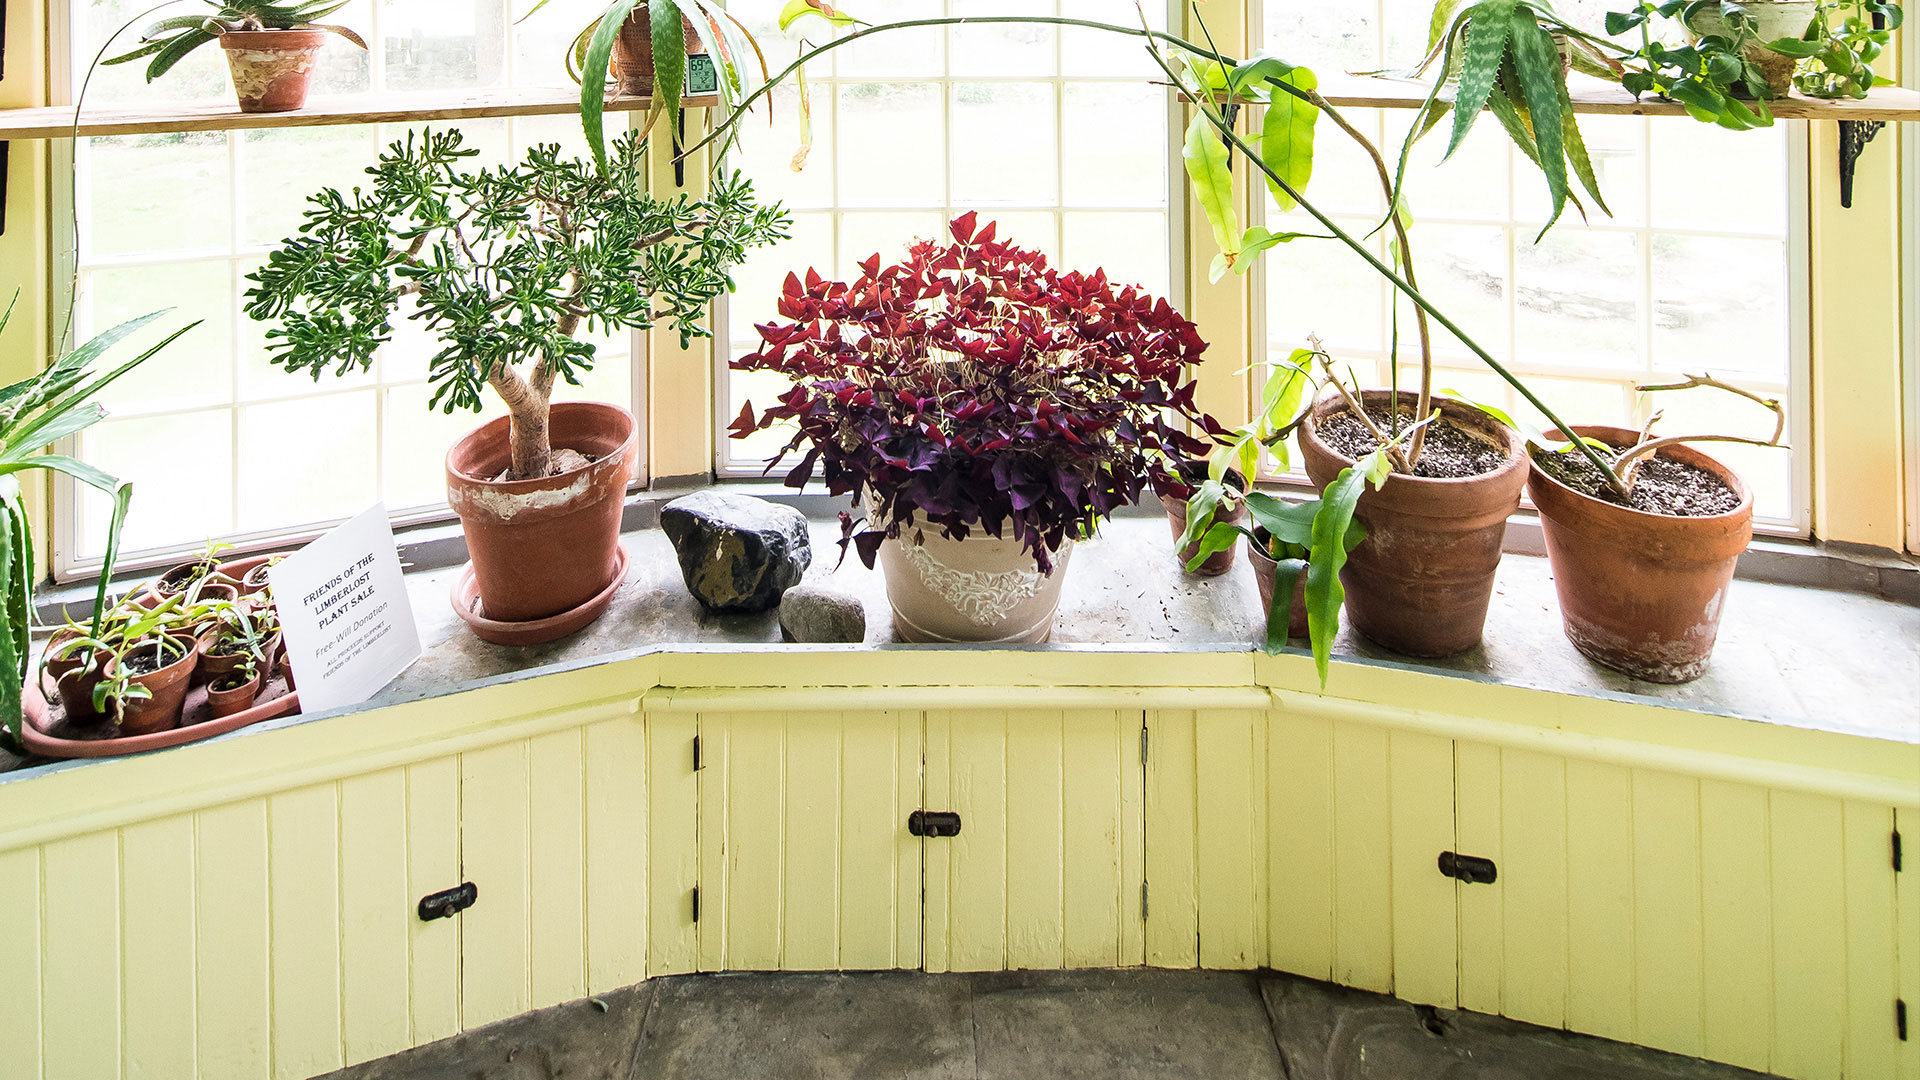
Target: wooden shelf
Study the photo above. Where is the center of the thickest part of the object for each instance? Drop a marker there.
(56, 122)
(1592, 95)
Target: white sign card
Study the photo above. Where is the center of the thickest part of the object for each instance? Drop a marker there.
(343, 607)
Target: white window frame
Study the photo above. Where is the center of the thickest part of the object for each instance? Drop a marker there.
(65, 68)
(1799, 394)
(1909, 224)
(726, 467)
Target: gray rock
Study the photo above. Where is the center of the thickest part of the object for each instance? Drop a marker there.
(815, 613)
(737, 553)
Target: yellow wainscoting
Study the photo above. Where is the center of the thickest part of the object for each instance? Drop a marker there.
(246, 908)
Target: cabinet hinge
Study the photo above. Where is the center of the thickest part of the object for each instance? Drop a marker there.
(696, 903)
(696, 753)
(1143, 745)
(1900, 1018)
(1897, 860)
(1143, 900)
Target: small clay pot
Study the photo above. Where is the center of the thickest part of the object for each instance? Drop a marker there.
(272, 68)
(1265, 571)
(1642, 593)
(633, 52)
(1421, 581)
(1193, 472)
(232, 699)
(286, 671)
(544, 546)
(214, 666)
(74, 683)
(255, 581)
(168, 686)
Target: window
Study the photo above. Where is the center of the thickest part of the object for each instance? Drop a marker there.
(1691, 272)
(1056, 135)
(217, 442)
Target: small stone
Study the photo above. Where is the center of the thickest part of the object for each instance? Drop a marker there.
(815, 614)
(737, 553)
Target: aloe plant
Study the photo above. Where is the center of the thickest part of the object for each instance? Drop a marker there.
(34, 413)
(170, 39)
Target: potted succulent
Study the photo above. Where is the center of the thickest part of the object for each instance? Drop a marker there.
(35, 412)
(1642, 565)
(271, 47)
(242, 635)
(986, 411)
(508, 265)
(1230, 490)
(235, 690)
(136, 668)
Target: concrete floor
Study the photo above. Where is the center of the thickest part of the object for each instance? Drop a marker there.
(1137, 1024)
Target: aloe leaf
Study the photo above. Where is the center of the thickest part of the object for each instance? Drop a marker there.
(1205, 158)
(1286, 578)
(1488, 27)
(175, 50)
(1537, 64)
(593, 76)
(1577, 150)
(1286, 136)
(14, 577)
(669, 55)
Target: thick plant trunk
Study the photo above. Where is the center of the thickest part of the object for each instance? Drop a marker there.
(532, 450)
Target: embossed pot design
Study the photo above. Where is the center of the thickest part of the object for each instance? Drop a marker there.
(272, 68)
(1641, 593)
(546, 546)
(979, 589)
(1420, 582)
(633, 52)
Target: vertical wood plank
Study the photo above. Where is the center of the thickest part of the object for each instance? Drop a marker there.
(231, 938)
(1094, 879)
(936, 790)
(1872, 1048)
(20, 889)
(80, 939)
(977, 874)
(303, 901)
(1666, 912)
(1809, 936)
(1362, 859)
(1133, 840)
(1600, 970)
(1533, 877)
(811, 885)
(1229, 755)
(1477, 792)
(1034, 828)
(1173, 872)
(913, 924)
(1426, 932)
(714, 780)
(1736, 912)
(1907, 922)
(616, 835)
(1299, 844)
(494, 831)
(433, 864)
(556, 878)
(751, 892)
(673, 849)
(156, 859)
(376, 907)
(879, 869)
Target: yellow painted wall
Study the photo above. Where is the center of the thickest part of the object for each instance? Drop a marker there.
(245, 908)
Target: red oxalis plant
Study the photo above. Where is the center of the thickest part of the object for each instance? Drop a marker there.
(980, 389)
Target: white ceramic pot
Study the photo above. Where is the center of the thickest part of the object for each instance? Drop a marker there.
(1773, 20)
(980, 589)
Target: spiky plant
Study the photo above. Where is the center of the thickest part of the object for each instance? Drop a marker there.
(170, 39)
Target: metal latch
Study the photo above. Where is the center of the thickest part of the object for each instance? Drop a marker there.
(933, 823)
(448, 902)
(1471, 869)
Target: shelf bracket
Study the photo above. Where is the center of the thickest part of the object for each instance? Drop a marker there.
(1854, 137)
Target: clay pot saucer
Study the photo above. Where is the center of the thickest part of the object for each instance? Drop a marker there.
(465, 597)
(42, 732)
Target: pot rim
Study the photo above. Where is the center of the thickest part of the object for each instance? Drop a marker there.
(1516, 453)
(487, 432)
(287, 34)
(190, 653)
(1718, 468)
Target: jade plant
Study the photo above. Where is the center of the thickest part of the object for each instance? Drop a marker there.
(170, 39)
(506, 266)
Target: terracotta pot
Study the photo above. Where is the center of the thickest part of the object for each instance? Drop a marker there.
(633, 52)
(255, 581)
(1773, 20)
(168, 686)
(978, 589)
(546, 546)
(1641, 593)
(1265, 570)
(286, 672)
(214, 665)
(230, 701)
(272, 68)
(73, 683)
(1420, 582)
(1193, 472)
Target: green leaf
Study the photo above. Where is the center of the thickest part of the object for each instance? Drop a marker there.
(669, 56)
(14, 580)
(176, 50)
(1286, 579)
(593, 75)
(1577, 150)
(122, 498)
(1218, 538)
(1285, 390)
(1287, 522)
(1200, 509)
(1537, 63)
(800, 9)
(1206, 162)
(1329, 553)
(1489, 24)
(1794, 47)
(1286, 136)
